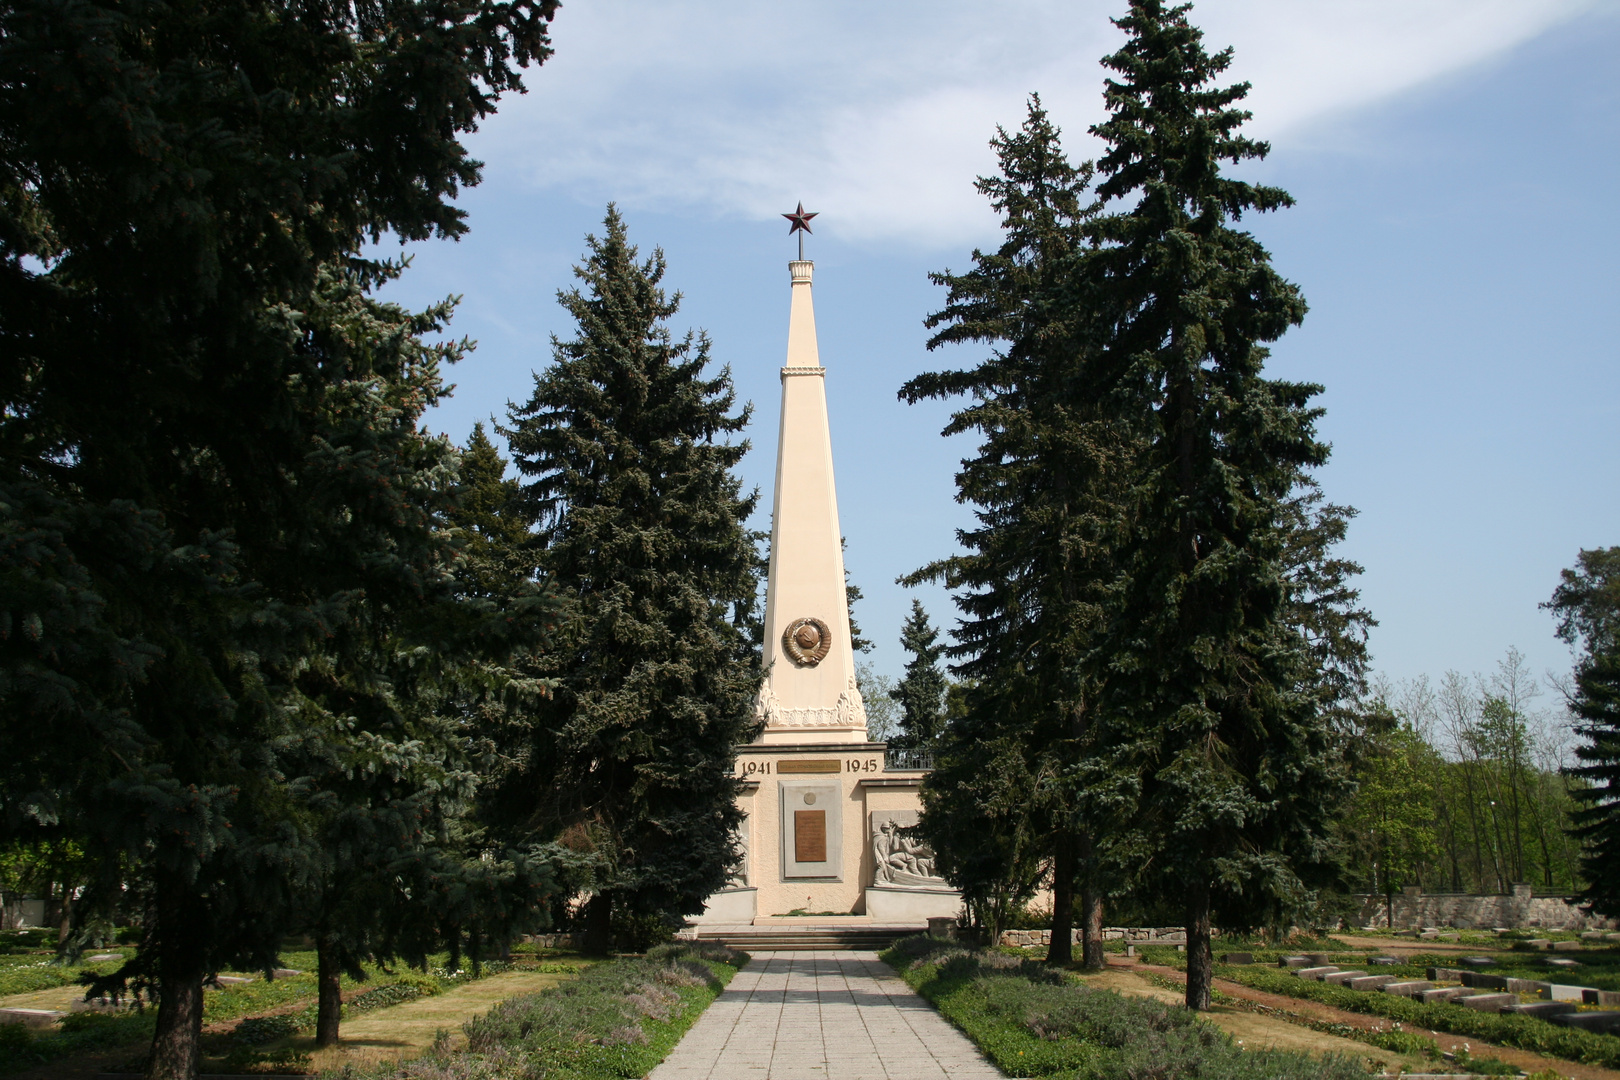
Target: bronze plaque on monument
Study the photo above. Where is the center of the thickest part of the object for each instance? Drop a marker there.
(813, 766)
(809, 836)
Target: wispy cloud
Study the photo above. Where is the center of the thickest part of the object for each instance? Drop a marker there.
(881, 112)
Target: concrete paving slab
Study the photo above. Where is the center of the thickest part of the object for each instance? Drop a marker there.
(822, 1015)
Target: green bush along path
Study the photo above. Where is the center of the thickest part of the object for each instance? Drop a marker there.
(618, 1019)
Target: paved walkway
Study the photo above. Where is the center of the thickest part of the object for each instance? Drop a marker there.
(822, 1016)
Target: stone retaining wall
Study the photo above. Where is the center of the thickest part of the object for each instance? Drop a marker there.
(1138, 935)
(1519, 909)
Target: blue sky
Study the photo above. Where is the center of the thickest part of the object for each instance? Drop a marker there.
(1456, 165)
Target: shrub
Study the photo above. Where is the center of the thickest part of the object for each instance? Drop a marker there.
(258, 1030)
(618, 1019)
(1401, 1042)
(14, 1038)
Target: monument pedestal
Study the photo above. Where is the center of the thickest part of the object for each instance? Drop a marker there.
(886, 904)
(737, 905)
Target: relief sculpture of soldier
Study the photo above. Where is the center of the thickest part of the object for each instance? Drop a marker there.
(900, 859)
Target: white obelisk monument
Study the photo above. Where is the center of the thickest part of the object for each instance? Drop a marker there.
(809, 693)
(821, 806)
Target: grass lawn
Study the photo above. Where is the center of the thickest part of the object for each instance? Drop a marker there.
(292, 997)
(409, 1030)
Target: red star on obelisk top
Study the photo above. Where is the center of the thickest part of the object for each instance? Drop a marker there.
(801, 223)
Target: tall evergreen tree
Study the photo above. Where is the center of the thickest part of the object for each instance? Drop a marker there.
(1046, 487)
(204, 482)
(626, 450)
(495, 535)
(1214, 695)
(1587, 602)
(921, 693)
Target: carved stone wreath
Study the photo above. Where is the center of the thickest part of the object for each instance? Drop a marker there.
(806, 641)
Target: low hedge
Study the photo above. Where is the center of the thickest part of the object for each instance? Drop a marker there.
(1035, 1021)
(1521, 1032)
(618, 1019)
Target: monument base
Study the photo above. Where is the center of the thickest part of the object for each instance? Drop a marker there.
(730, 906)
(887, 905)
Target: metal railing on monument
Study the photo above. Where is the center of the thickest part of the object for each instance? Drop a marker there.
(900, 758)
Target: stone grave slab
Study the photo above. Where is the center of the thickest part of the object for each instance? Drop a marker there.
(1488, 1002)
(1342, 978)
(1315, 972)
(1407, 988)
(1479, 980)
(1591, 1021)
(1543, 1009)
(1370, 982)
(34, 1018)
(1600, 997)
(1527, 986)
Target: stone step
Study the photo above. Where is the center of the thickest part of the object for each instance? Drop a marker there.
(818, 939)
